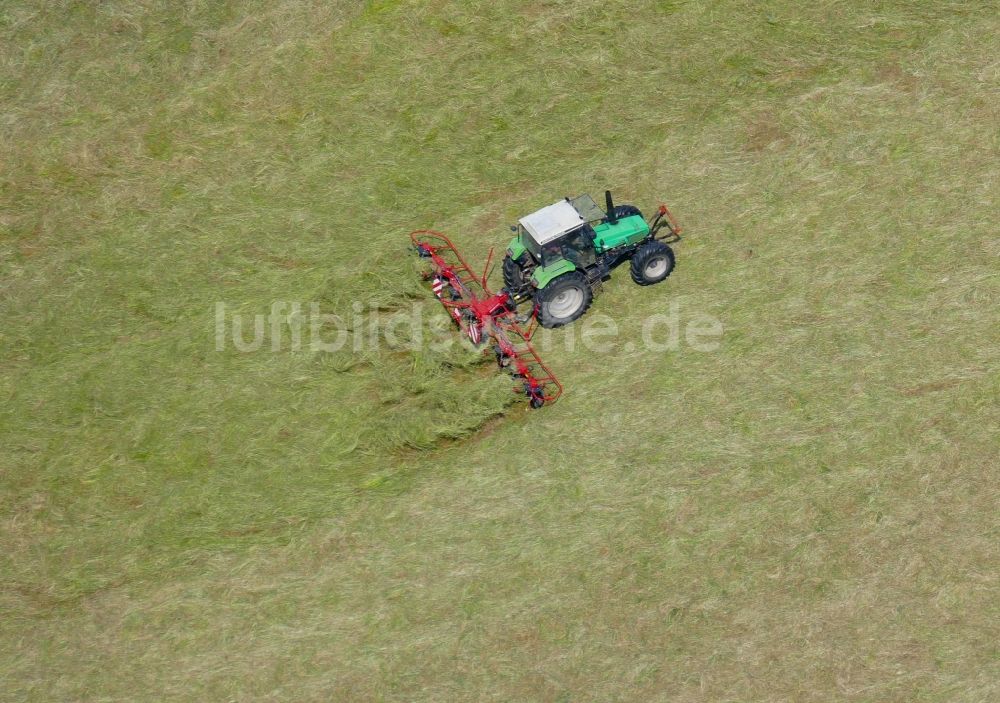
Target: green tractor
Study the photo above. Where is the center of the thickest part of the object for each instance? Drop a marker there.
(562, 251)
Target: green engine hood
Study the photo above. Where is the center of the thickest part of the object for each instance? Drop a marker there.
(627, 230)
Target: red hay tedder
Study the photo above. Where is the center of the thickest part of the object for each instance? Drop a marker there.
(483, 315)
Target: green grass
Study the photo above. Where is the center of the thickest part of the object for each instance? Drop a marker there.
(807, 513)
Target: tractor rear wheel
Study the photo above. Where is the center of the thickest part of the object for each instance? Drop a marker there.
(563, 300)
(652, 263)
(513, 274)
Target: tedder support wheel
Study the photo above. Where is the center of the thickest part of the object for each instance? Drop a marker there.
(652, 263)
(563, 300)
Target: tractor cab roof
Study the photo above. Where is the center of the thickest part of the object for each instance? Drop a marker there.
(552, 222)
(559, 218)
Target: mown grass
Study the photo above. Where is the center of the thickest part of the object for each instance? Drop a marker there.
(807, 513)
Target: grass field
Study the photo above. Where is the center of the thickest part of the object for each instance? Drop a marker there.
(808, 513)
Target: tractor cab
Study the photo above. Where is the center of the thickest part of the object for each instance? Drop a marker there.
(557, 232)
(561, 231)
(573, 233)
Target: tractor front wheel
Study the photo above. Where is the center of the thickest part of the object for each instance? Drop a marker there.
(563, 300)
(652, 263)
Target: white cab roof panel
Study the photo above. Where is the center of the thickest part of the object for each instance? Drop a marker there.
(552, 221)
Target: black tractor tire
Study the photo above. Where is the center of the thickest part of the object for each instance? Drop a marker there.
(652, 263)
(563, 300)
(626, 211)
(513, 274)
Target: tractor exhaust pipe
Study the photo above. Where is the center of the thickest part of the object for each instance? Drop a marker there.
(612, 218)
